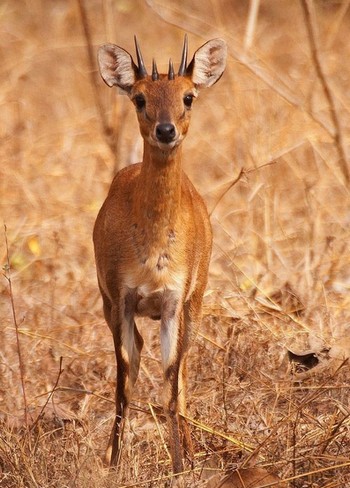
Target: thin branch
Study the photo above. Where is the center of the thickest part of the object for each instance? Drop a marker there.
(7, 275)
(60, 371)
(106, 127)
(310, 21)
(235, 180)
(230, 185)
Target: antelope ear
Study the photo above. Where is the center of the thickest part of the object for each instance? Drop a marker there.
(116, 67)
(208, 63)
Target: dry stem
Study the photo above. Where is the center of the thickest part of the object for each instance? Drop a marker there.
(108, 131)
(7, 275)
(310, 21)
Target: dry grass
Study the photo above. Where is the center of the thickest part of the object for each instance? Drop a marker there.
(280, 268)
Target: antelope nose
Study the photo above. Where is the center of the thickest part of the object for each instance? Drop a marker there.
(165, 132)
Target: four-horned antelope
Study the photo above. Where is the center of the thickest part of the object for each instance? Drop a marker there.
(152, 235)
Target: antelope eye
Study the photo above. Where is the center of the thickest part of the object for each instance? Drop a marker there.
(140, 102)
(188, 99)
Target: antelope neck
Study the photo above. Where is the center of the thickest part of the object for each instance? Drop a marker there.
(159, 190)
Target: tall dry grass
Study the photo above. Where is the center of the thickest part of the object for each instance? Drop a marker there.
(264, 152)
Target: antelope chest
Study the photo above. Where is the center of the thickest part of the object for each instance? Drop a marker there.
(156, 259)
(155, 273)
(152, 280)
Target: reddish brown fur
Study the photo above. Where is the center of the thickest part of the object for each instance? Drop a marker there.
(152, 244)
(246, 478)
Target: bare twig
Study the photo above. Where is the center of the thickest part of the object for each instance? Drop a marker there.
(60, 371)
(7, 275)
(232, 183)
(310, 21)
(335, 429)
(108, 131)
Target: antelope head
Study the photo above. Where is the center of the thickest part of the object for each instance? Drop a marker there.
(163, 102)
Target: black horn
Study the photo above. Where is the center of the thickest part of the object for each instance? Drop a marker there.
(141, 65)
(183, 64)
(171, 73)
(155, 74)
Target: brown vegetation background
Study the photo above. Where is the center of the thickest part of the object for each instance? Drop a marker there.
(267, 149)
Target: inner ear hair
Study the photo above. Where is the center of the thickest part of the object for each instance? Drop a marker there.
(117, 67)
(208, 63)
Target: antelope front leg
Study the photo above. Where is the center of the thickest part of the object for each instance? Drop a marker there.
(128, 344)
(121, 412)
(173, 348)
(185, 429)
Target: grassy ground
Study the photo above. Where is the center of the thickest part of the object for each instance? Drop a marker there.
(279, 277)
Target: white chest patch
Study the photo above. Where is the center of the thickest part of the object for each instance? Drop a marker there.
(155, 275)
